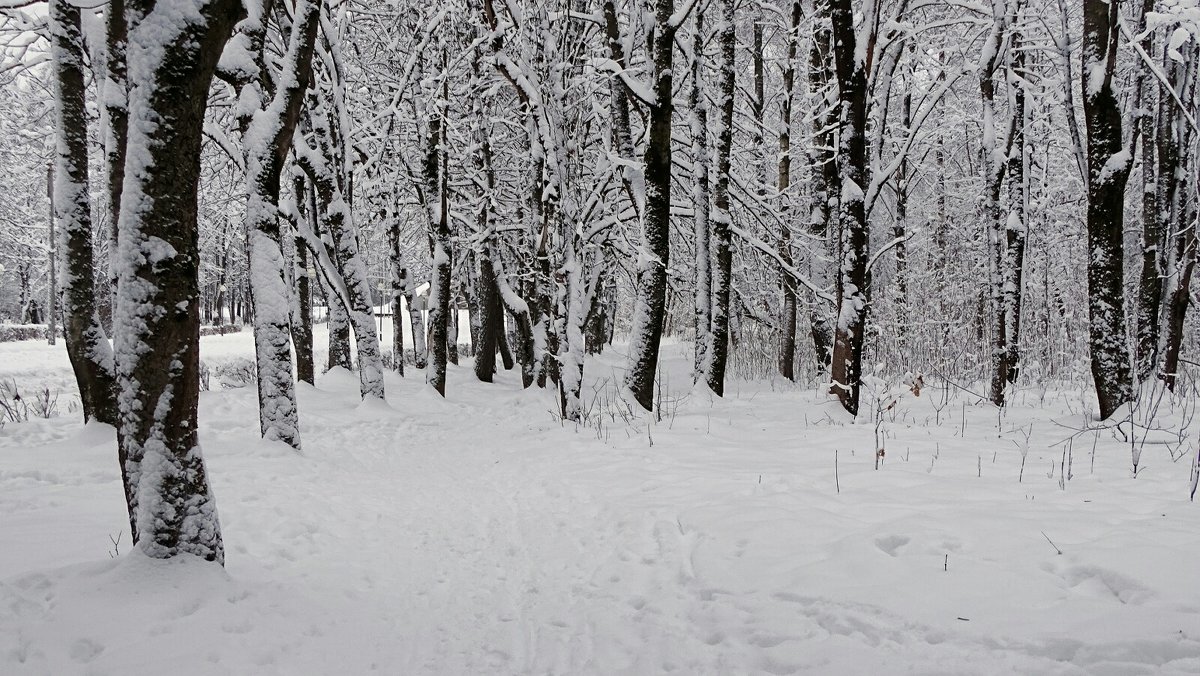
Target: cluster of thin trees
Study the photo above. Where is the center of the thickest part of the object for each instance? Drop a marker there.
(829, 182)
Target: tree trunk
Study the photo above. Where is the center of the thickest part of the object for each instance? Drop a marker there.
(722, 220)
(651, 301)
(339, 332)
(787, 306)
(302, 326)
(1107, 173)
(267, 137)
(700, 202)
(87, 346)
(491, 318)
(852, 281)
(157, 324)
(440, 293)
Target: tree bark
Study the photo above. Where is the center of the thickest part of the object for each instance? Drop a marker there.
(717, 352)
(90, 353)
(172, 58)
(651, 301)
(267, 137)
(787, 306)
(852, 282)
(1108, 171)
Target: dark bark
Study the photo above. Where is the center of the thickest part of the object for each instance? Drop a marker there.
(722, 219)
(302, 328)
(852, 281)
(787, 312)
(1150, 280)
(1106, 203)
(440, 293)
(491, 321)
(158, 311)
(267, 137)
(651, 302)
(339, 332)
(87, 346)
(826, 183)
(115, 97)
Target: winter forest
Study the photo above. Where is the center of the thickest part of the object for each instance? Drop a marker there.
(599, 336)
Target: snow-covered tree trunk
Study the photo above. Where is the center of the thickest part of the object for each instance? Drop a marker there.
(852, 281)
(268, 125)
(994, 165)
(700, 200)
(324, 161)
(824, 191)
(440, 292)
(416, 320)
(1108, 169)
(1150, 282)
(717, 352)
(302, 327)
(399, 281)
(1178, 209)
(172, 53)
(339, 331)
(650, 304)
(518, 309)
(1016, 226)
(114, 93)
(787, 284)
(87, 346)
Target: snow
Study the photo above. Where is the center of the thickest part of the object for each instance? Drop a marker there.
(478, 534)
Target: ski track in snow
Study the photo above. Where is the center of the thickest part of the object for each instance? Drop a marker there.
(478, 535)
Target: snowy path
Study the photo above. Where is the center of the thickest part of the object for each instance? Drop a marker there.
(477, 535)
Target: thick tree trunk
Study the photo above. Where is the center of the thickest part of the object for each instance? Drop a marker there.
(1108, 171)
(157, 325)
(87, 346)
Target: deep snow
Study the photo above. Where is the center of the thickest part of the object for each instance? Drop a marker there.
(480, 535)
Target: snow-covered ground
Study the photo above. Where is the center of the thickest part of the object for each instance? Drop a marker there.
(480, 535)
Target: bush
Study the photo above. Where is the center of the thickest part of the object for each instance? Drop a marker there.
(220, 330)
(10, 333)
(235, 373)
